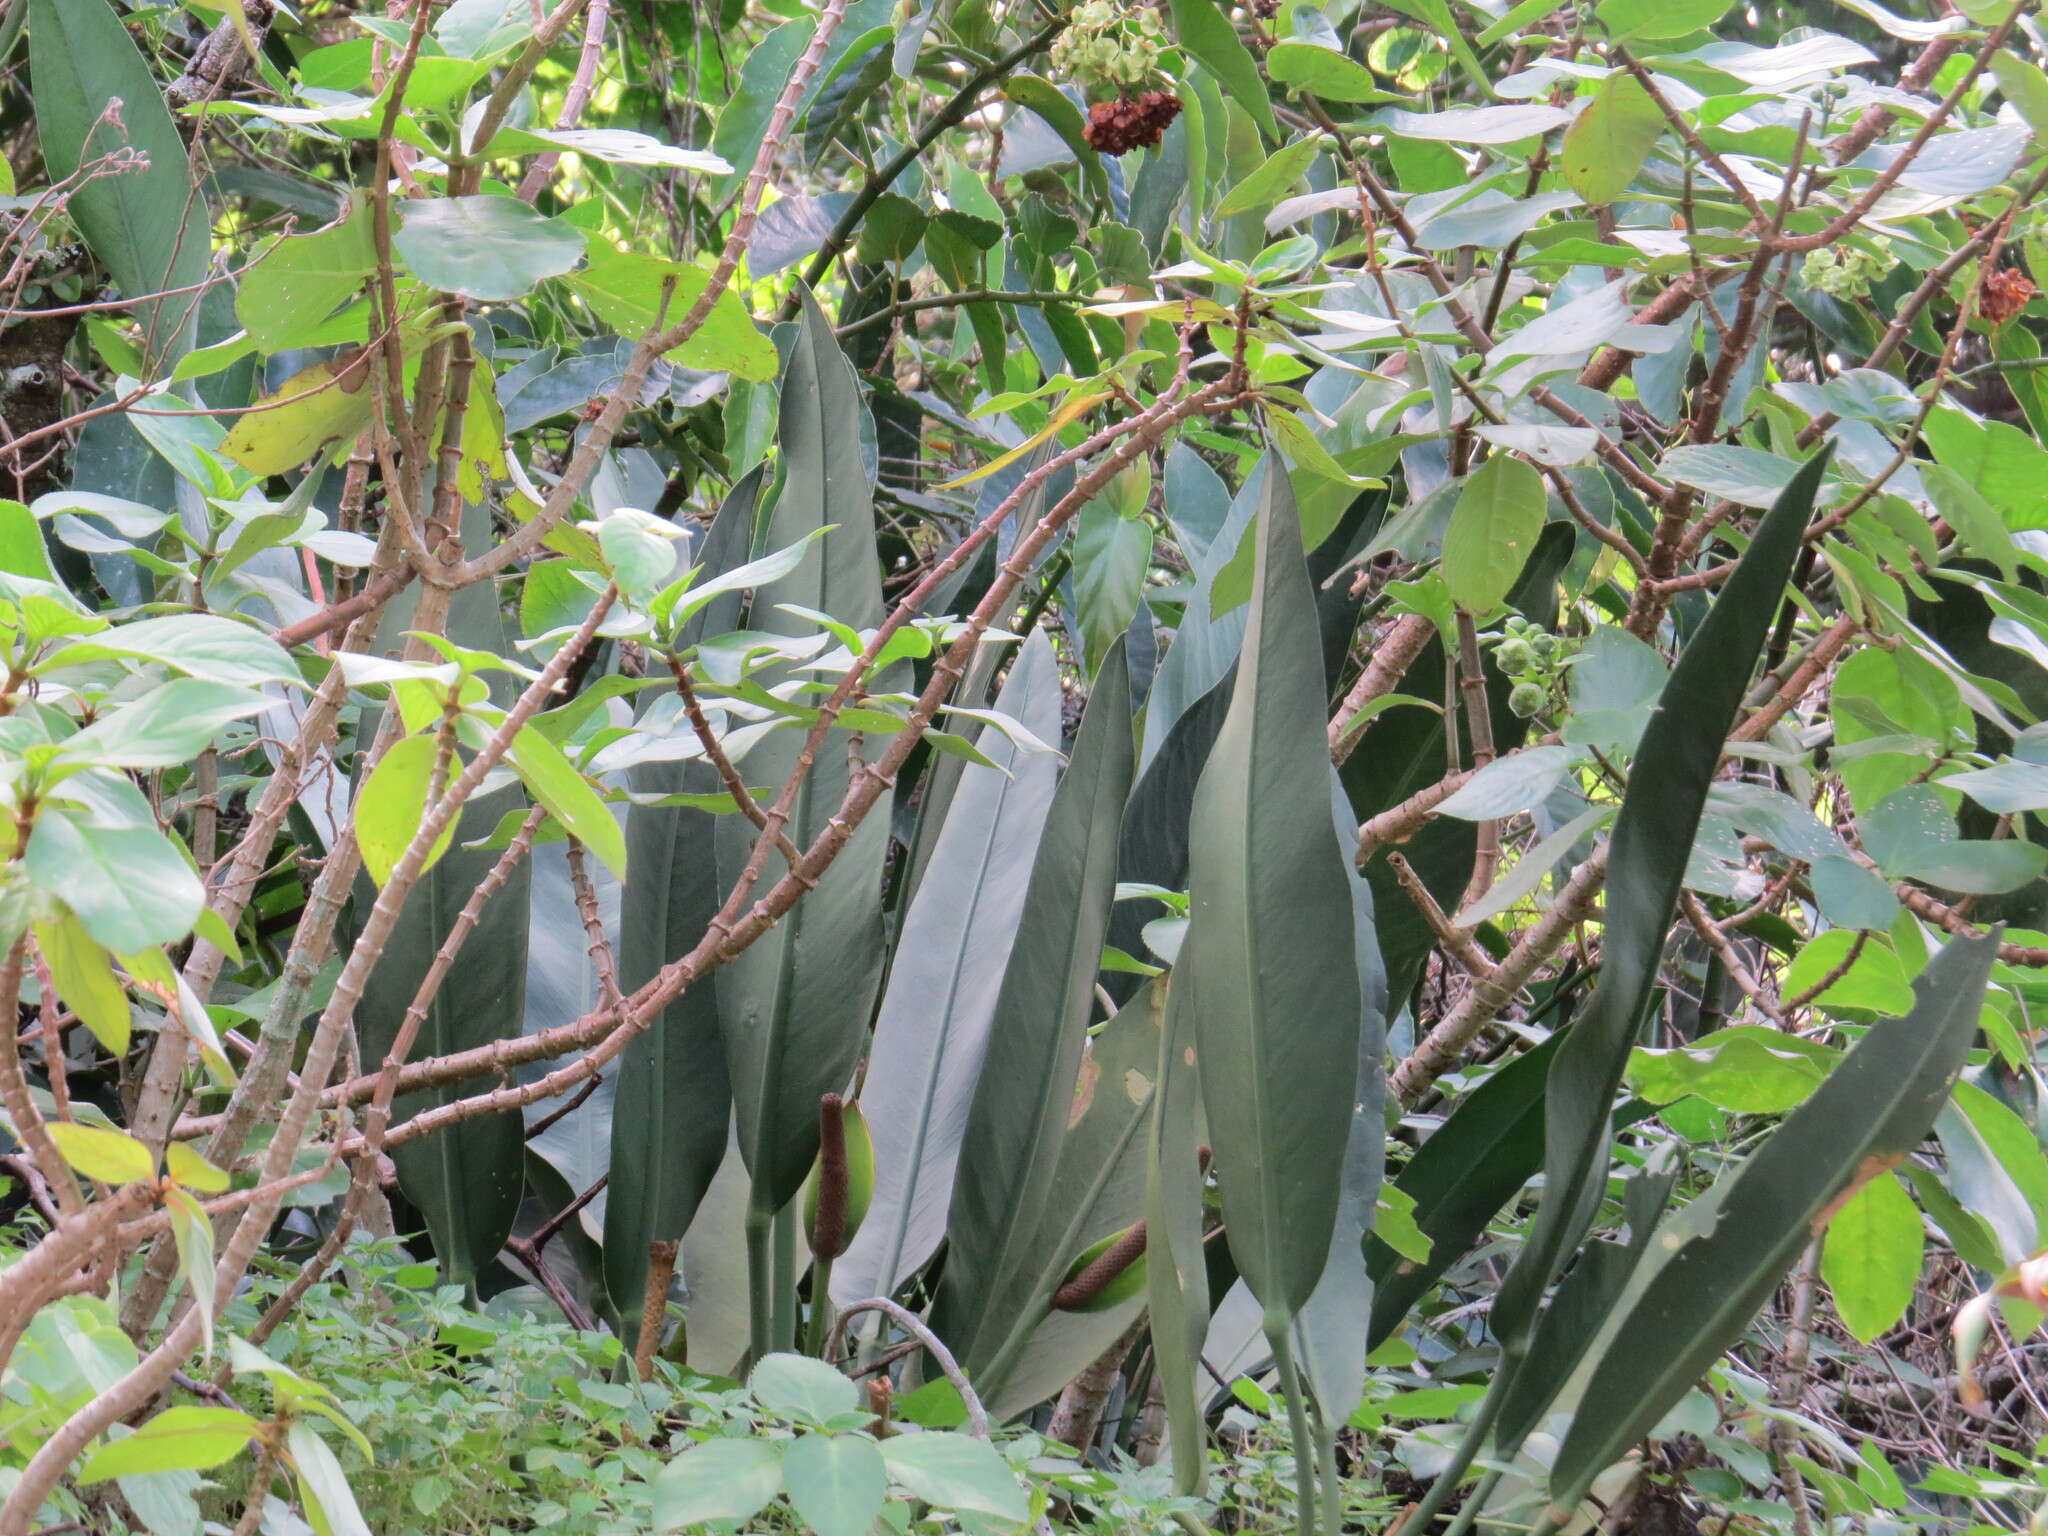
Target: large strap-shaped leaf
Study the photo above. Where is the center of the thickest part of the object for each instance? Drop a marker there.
(1328, 1339)
(996, 1266)
(1653, 837)
(146, 224)
(1176, 1269)
(1098, 1189)
(941, 998)
(793, 1007)
(466, 1180)
(1277, 997)
(1728, 1251)
(672, 1102)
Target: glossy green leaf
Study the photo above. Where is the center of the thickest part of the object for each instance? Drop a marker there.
(1276, 1030)
(323, 1484)
(192, 1235)
(1176, 1267)
(492, 249)
(1653, 839)
(294, 284)
(127, 884)
(953, 944)
(1207, 33)
(167, 726)
(1097, 1191)
(1324, 72)
(1720, 1258)
(1493, 529)
(1112, 548)
(1272, 180)
(799, 1387)
(996, 1263)
(1748, 1069)
(114, 1157)
(1485, 1150)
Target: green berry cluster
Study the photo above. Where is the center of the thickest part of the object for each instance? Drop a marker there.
(1108, 48)
(1534, 660)
(1846, 271)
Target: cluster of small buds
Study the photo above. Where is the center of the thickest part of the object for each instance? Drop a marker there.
(1845, 271)
(1534, 660)
(1110, 49)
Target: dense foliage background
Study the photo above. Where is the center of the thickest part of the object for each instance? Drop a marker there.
(953, 764)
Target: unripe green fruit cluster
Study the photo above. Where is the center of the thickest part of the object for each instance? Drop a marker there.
(1844, 271)
(1534, 660)
(1108, 49)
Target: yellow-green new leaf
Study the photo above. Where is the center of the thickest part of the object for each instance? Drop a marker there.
(109, 1156)
(83, 974)
(394, 802)
(184, 1163)
(182, 1439)
(1871, 1260)
(569, 798)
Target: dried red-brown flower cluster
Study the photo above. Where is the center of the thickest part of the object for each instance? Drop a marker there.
(2005, 294)
(1130, 122)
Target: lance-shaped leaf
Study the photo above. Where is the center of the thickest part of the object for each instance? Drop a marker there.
(1277, 996)
(1653, 837)
(142, 220)
(1728, 1251)
(793, 1007)
(1176, 1269)
(1002, 1192)
(672, 1105)
(953, 943)
(1329, 1341)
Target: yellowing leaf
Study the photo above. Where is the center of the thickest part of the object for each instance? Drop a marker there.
(85, 981)
(327, 403)
(110, 1156)
(1608, 142)
(1073, 410)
